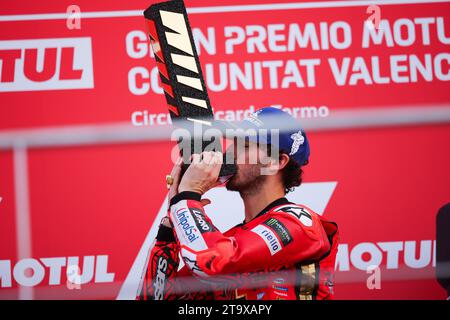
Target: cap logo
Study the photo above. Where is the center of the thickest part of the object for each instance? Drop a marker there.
(253, 118)
(298, 141)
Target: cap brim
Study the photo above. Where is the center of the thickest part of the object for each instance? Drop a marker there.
(231, 130)
(226, 126)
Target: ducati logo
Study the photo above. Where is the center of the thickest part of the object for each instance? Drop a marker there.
(298, 141)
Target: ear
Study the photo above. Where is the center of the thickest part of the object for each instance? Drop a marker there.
(284, 160)
(275, 166)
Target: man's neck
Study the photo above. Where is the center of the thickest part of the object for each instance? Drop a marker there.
(256, 201)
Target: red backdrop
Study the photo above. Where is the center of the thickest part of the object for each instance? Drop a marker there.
(101, 201)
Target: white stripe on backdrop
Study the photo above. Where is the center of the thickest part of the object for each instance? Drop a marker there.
(219, 9)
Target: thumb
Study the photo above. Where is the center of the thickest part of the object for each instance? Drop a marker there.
(205, 202)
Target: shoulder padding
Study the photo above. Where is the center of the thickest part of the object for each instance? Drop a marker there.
(303, 214)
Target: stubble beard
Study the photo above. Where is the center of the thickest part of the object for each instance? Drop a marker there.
(247, 182)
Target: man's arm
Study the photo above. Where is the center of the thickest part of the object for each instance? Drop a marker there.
(159, 278)
(162, 280)
(279, 240)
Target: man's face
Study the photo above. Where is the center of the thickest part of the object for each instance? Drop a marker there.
(250, 159)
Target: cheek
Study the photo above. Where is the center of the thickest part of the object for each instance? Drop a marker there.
(248, 156)
(241, 158)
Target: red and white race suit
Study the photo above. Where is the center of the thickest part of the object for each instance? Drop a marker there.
(286, 252)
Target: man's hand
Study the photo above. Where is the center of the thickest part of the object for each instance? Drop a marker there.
(176, 175)
(203, 173)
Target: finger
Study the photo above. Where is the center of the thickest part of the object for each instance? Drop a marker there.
(177, 164)
(176, 168)
(218, 160)
(217, 183)
(208, 157)
(176, 172)
(205, 202)
(219, 156)
(196, 158)
(176, 176)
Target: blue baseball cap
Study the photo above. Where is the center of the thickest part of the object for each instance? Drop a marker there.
(292, 138)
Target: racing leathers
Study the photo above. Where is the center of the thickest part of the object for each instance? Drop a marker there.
(286, 252)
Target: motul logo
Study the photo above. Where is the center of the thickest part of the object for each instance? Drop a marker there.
(180, 39)
(46, 64)
(32, 272)
(412, 254)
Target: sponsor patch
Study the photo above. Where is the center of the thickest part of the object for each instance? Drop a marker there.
(200, 220)
(280, 288)
(300, 213)
(160, 279)
(253, 118)
(280, 230)
(189, 229)
(190, 259)
(269, 238)
(278, 293)
(186, 228)
(260, 295)
(298, 141)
